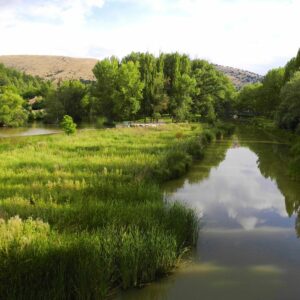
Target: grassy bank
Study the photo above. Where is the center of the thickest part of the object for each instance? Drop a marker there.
(90, 212)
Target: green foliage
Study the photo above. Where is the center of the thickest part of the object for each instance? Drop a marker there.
(269, 99)
(25, 85)
(276, 97)
(262, 98)
(118, 90)
(139, 86)
(171, 83)
(215, 92)
(68, 125)
(70, 98)
(248, 98)
(104, 90)
(16, 86)
(154, 98)
(12, 112)
(292, 67)
(129, 88)
(288, 115)
(294, 166)
(39, 263)
(181, 100)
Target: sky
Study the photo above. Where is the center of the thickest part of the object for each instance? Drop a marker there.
(255, 35)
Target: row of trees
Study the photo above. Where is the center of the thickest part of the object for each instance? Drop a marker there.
(138, 86)
(277, 96)
(142, 85)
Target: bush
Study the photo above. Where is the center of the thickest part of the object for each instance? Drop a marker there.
(208, 136)
(68, 125)
(195, 148)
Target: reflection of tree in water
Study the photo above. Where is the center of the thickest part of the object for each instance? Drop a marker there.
(273, 159)
(214, 155)
(297, 225)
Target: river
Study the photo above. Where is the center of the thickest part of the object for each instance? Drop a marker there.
(38, 128)
(30, 130)
(249, 245)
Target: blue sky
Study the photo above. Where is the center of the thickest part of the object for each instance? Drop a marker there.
(250, 34)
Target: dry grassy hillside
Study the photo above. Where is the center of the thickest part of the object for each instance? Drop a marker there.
(60, 67)
(52, 67)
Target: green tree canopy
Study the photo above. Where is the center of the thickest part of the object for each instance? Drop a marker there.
(118, 91)
(105, 87)
(215, 91)
(270, 99)
(69, 98)
(12, 112)
(248, 98)
(288, 115)
(181, 101)
(129, 90)
(154, 99)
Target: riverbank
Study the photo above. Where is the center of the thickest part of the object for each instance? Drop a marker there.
(90, 210)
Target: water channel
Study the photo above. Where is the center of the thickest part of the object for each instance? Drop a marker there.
(249, 245)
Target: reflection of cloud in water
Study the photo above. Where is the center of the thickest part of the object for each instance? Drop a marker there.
(248, 223)
(236, 192)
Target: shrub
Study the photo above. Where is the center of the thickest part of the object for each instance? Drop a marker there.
(207, 136)
(68, 125)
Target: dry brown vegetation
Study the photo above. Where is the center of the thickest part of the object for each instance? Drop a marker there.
(52, 67)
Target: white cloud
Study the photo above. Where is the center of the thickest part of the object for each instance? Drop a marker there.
(236, 193)
(250, 34)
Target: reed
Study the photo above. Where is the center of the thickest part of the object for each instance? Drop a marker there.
(82, 214)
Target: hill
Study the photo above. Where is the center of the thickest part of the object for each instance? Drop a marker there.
(51, 67)
(239, 77)
(61, 67)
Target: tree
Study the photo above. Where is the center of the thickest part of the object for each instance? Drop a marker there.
(70, 98)
(270, 92)
(68, 125)
(54, 108)
(215, 91)
(160, 99)
(12, 112)
(180, 104)
(291, 67)
(248, 98)
(154, 99)
(104, 90)
(288, 115)
(128, 95)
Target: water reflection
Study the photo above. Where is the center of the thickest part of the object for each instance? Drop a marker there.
(249, 189)
(248, 247)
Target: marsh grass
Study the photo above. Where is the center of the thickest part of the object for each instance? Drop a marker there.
(90, 211)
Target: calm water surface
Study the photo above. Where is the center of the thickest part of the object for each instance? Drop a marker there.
(30, 130)
(248, 245)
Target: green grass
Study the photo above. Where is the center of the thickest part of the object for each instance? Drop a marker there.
(91, 215)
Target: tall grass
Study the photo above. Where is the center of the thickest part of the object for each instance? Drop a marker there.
(81, 215)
